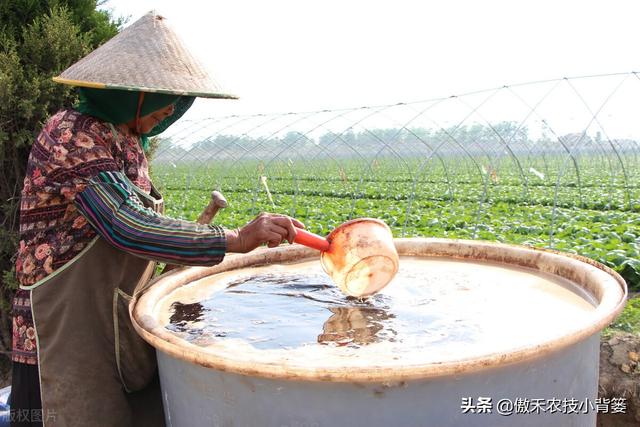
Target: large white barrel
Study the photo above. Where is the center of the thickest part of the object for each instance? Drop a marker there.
(542, 378)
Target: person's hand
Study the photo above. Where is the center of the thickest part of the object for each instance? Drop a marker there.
(267, 228)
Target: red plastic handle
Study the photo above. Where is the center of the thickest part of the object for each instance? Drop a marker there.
(311, 240)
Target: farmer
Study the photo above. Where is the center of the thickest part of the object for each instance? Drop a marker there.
(91, 229)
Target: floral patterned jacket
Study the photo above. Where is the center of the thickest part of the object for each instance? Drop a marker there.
(71, 149)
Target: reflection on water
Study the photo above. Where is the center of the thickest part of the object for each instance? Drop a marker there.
(357, 325)
(185, 313)
(292, 310)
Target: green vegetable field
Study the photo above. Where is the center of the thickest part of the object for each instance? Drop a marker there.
(597, 216)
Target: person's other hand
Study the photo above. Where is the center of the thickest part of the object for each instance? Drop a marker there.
(267, 228)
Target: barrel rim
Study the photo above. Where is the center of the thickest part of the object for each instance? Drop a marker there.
(611, 303)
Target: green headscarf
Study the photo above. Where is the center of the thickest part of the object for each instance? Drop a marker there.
(120, 106)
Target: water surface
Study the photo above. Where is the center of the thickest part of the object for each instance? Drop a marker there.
(434, 308)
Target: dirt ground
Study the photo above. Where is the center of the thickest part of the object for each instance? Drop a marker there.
(620, 377)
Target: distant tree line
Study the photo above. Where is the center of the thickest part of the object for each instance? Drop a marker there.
(496, 140)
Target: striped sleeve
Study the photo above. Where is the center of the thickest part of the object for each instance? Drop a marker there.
(110, 205)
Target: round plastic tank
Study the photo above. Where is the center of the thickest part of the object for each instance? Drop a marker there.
(469, 333)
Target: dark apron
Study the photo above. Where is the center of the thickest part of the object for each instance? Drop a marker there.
(94, 368)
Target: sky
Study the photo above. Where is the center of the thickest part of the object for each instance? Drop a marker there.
(292, 56)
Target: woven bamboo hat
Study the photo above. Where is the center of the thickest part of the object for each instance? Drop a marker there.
(147, 56)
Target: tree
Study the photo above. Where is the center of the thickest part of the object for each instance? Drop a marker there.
(38, 40)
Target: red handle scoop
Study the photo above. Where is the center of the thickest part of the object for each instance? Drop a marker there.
(311, 240)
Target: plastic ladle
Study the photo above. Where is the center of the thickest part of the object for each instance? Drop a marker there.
(311, 240)
(359, 255)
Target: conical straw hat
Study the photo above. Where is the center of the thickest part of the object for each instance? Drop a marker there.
(146, 56)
